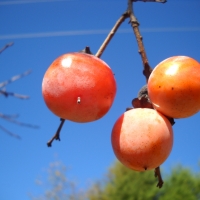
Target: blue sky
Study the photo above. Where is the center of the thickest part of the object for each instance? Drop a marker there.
(41, 31)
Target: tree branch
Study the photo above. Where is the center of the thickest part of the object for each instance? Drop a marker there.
(135, 25)
(11, 119)
(20, 96)
(14, 78)
(6, 46)
(111, 34)
(10, 133)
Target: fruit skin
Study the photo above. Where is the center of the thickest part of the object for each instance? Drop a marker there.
(174, 87)
(142, 139)
(79, 87)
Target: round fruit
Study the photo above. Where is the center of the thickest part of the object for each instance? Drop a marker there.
(79, 87)
(174, 87)
(142, 139)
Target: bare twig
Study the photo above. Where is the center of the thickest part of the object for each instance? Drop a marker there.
(10, 133)
(158, 175)
(111, 34)
(135, 25)
(10, 116)
(57, 134)
(6, 46)
(11, 119)
(20, 96)
(14, 78)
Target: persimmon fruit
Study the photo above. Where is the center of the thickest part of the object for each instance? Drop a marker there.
(142, 139)
(79, 87)
(174, 87)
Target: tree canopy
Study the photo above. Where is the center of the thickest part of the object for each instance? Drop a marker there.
(123, 183)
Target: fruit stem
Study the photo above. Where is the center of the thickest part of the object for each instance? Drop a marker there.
(135, 25)
(86, 50)
(158, 174)
(57, 134)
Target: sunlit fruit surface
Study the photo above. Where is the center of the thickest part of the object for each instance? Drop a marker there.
(79, 87)
(142, 139)
(174, 87)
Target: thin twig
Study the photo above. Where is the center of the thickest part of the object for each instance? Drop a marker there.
(111, 34)
(10, 116)
(20, 96)
(135, 25)
(10, 133)
(57, 134)
(6, 46)
(12, 120)
(158, 175)
(14, 78)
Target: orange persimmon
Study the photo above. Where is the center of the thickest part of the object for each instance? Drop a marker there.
(79, 87)
(174, 87)
(142, 139)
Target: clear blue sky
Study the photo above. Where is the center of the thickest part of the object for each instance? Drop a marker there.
(41, 31)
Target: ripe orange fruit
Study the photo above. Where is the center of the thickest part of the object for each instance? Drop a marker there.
(142, 139)
(174, 87)
(79, 87)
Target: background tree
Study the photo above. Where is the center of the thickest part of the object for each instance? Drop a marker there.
(181, 183)
(123, 183)
(58, 186)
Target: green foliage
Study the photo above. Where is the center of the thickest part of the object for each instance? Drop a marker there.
(181, 184)
(123, 183)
